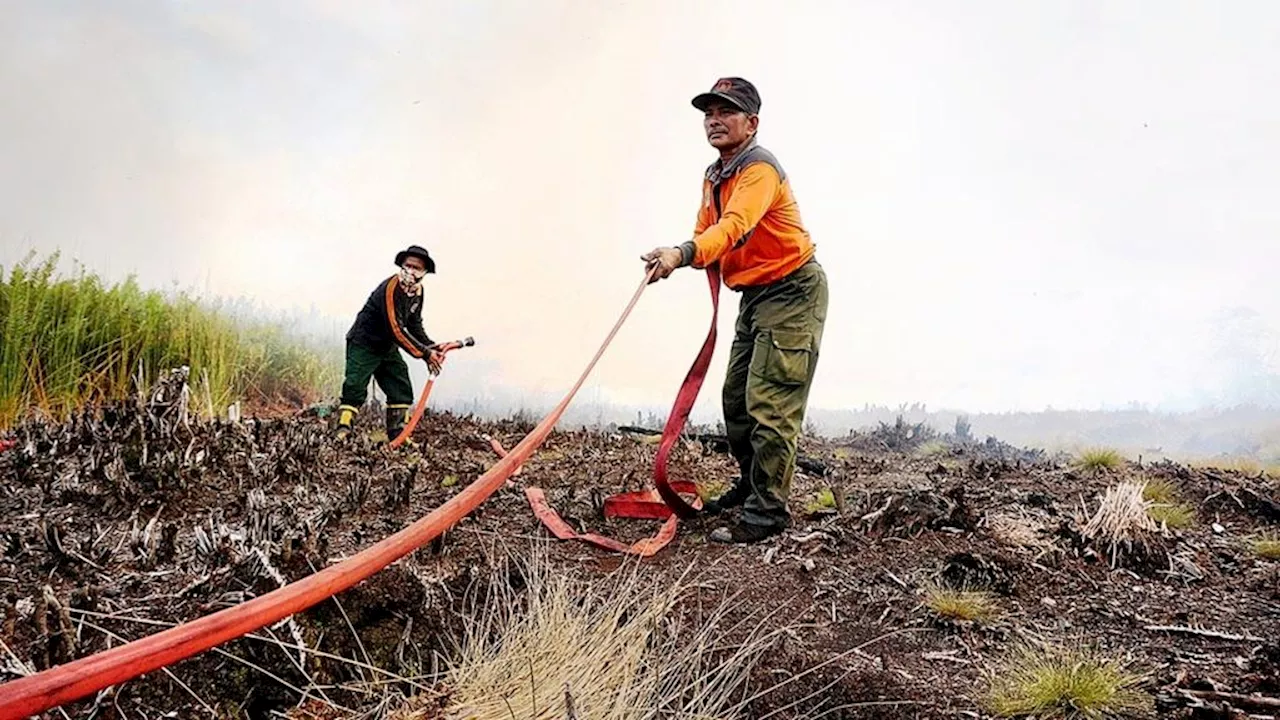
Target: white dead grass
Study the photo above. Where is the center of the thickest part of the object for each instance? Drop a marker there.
(1018, 529)
(1121, 521)
(612, 650)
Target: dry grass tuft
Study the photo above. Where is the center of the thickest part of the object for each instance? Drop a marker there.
(1099, 460)
(1121, 520)
(961, 606)
(560, 648)
(1243, 465)
(1267, 547)
(932, 449)
(1060, 682)
(1166, 506)
(1020, 530)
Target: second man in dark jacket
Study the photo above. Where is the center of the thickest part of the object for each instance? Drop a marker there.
(390, 321)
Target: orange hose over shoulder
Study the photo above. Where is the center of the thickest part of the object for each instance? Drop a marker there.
(411, 348)
(62, 684)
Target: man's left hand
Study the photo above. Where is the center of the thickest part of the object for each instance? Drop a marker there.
(662, 261)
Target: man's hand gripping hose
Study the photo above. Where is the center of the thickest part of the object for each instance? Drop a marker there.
(443, 349)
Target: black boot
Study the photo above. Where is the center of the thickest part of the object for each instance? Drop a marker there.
(744, 533)
(396, 420)
(732, 498)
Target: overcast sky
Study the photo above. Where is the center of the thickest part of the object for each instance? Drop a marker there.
(1017, 204)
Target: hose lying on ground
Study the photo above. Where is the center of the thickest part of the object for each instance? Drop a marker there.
(665, 501)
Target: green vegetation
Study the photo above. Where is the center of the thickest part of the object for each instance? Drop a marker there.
(823, 501)
(1063, 683)
(72, 341)
(1096, 460)
(1178, 517)
(711, 489)
(1166, 505)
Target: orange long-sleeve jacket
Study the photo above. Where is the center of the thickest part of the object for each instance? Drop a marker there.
(749, 222)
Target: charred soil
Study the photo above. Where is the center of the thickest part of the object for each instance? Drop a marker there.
(118, 523)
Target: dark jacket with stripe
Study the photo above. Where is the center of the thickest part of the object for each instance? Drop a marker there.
(391, 317)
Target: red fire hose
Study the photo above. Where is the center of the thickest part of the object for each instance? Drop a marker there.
(443, 348)
(666, 502)
(65, 683)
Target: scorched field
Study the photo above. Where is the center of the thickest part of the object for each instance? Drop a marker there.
(925, 577)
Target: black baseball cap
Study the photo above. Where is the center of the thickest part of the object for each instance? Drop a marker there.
(733, 90)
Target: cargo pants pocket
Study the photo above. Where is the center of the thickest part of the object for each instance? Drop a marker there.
(783, 357)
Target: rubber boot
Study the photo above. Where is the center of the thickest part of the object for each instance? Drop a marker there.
(397, 418)
(744, 533)
(345, 416)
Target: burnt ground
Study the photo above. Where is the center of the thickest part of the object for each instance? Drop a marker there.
(123, 518)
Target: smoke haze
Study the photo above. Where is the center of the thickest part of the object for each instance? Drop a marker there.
(1019, 205)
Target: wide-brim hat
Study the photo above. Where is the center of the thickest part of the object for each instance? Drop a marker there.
(418, 252)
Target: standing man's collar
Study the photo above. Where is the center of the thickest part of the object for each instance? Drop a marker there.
(721, 171)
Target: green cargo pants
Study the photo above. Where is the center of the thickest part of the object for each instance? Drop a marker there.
(766, 388)
(391, 373)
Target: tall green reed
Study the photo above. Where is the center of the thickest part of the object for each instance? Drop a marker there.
(68, 341)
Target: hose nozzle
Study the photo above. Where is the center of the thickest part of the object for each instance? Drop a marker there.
(468, 341)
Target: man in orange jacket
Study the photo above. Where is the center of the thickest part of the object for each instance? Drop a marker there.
(750, 224)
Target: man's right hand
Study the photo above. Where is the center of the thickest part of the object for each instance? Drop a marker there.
(435, 359)
(662, 262)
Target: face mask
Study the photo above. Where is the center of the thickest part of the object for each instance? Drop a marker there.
(410, 279)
